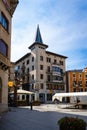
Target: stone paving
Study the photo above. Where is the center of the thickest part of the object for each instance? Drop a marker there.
(42, 117)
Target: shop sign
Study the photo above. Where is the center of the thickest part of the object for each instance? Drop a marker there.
(10, 84)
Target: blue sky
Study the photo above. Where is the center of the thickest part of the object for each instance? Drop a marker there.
(63, 26)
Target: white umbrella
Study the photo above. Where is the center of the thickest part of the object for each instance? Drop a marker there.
(21, 91)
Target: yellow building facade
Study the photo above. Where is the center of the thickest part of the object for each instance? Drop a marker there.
(7, 8)
(76, 80)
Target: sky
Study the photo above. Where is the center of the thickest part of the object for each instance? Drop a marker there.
(63, 27)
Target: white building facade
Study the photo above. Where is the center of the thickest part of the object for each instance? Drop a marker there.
(42, 72)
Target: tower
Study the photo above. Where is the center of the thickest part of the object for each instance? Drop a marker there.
(46, 70)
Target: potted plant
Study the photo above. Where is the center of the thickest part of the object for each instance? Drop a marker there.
(71, 123)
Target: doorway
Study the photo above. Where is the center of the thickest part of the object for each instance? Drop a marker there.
(42, 97)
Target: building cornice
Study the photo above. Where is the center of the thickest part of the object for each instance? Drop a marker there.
(22, 58)
(55, 54)
(10, 5)
(37, 43)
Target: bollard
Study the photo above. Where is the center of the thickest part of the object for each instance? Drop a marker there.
(31, 105)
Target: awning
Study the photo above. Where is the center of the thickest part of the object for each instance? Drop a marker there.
(21, 91)
(70, 94)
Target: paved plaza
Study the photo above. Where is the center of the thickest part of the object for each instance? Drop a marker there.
(42, 117)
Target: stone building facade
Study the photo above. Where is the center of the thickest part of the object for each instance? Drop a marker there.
(7, 8)
(76, 80)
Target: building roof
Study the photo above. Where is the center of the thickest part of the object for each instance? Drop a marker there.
(75, 70)
(28, 54)
(48, 52)
(13, 4)
(10, 5)
(78, 70)
(37, 43)
(23, 58)
(38, 37)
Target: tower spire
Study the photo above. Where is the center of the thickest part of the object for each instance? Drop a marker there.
(38, 37)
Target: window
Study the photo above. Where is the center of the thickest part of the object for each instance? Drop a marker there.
(80, 75)
(28, 79)
(4, 21)
(32, 77)
(41, 76)
(79, 82)
(48, 77)
(86, 89)
(33, 67)
(32, 86)
(18, 97)
(27, 70)
(74, 75)
(74, 90)
(49, 97)
(48, 68)
(3, 48)
(23, 97)
(41, 67)
(55, 61)
(81, 89)
(86, 76)
(23, 67)
(27, 62)
(56, 69)
(41, 58)
(32, 59)
(23, 63)
(86, 83)
(48, 59)
(61, 62)
(23, 78)
(18, 67)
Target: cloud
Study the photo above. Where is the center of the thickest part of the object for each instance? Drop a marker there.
(62, 24)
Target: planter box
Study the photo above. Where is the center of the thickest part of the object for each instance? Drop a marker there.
(71, 123)
(71, 128)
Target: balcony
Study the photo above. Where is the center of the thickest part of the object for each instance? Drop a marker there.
(4, 62)
(55, 82)
(55, 86)
(55, 63)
